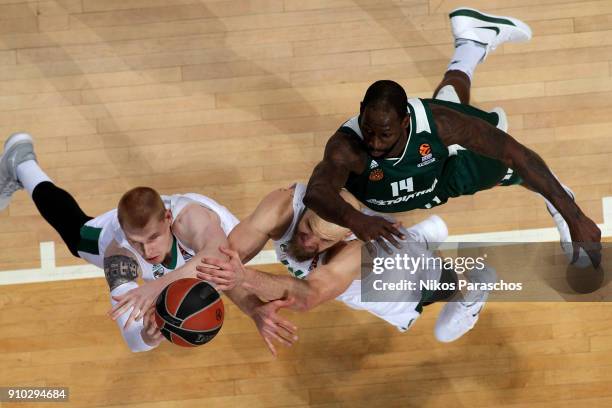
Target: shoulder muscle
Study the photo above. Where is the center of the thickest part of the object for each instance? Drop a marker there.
(273, 212)
(345, 150)
(197, 225)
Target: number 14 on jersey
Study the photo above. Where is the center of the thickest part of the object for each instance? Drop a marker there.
(402, 185)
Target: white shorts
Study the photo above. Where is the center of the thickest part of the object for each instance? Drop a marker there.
(400, 314)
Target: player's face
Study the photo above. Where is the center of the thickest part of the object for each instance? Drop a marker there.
(154, 241)
(382, 129)
(306, 241)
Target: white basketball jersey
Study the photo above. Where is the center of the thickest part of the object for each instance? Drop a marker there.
(399, 314)
(105, 228)
(295, 267)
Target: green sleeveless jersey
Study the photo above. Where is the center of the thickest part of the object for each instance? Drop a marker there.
(412, 180)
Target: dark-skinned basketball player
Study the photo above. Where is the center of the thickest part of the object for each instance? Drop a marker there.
(324, 263)
(401, 154)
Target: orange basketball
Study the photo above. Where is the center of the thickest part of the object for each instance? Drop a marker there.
(189, 312)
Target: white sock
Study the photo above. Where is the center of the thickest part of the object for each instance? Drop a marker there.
(467, 55)
(30, 175)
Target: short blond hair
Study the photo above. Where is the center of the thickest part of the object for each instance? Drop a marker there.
(138, 206)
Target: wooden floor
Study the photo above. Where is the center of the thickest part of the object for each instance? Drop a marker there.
(234, 98)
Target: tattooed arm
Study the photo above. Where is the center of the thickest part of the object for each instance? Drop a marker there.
(481, 137)
(121, 270)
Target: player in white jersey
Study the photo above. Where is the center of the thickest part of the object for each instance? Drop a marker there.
(148, 235)
(325, 261)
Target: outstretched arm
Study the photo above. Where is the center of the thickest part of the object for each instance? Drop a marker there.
(483, 138)
(344, 155)
(198, 228)
(324, 283)
(270, 220)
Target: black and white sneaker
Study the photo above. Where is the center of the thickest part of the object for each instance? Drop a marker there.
(487, 29)
(17, 149)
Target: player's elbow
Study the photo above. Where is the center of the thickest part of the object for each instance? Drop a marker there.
(304, 306)
(308, 303)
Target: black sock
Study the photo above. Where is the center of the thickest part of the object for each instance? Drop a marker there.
(62, 212)
(448, 276)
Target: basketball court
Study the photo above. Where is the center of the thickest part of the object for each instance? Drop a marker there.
(232, 99)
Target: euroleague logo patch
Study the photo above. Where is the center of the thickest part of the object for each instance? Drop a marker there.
(424, 149)
(426, 155)
(376, 175)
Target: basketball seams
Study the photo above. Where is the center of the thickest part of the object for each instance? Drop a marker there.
(166, 302)
(166, 305)
(182, 338)
(194, 294)
(165, 313)
(201, 310)
(185, 294)
(166, 333)
(194, 331)
(187, 297)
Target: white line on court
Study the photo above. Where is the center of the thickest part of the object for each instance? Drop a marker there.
(48, 272)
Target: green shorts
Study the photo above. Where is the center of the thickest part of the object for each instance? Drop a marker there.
(469, 172)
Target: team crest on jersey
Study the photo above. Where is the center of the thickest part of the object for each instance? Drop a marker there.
(158, 271)
(376, 175)
(426, 155)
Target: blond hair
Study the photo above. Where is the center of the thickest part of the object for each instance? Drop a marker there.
(138, 206)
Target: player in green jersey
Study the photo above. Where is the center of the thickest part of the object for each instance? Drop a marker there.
(400, 154)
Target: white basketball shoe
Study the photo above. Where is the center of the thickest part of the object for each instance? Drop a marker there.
(17, 149)
(502, 123)
(460, 315)
(487, 29)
